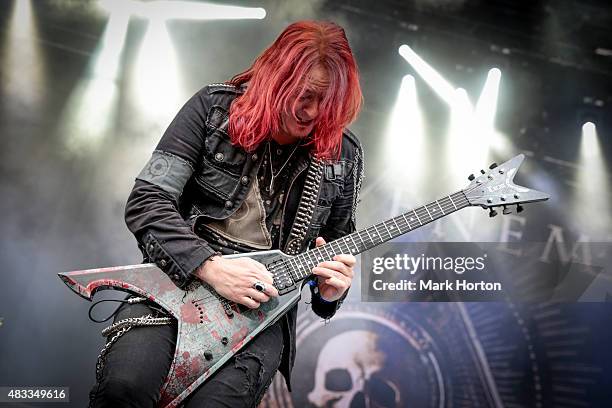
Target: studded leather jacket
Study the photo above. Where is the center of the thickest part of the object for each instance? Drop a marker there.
(196, 176)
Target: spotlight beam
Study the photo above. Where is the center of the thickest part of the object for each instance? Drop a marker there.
(589, 147)
(471, 132)
(182, 10)
(441, 87)
(592, 202)
(405, 133)
(23, 75)
(486, 106)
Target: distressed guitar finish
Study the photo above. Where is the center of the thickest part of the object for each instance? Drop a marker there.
(211, 329)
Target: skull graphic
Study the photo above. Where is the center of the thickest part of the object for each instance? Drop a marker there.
(348, 374)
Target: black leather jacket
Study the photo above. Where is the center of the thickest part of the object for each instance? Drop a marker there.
(196, 175)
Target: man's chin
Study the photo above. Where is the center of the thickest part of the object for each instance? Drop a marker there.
(302, 132)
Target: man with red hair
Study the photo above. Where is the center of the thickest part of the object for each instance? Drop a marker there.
(235, 172)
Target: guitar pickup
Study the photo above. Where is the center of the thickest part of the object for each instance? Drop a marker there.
(285, 289)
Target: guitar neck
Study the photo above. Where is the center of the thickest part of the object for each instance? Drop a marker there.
(377, 234)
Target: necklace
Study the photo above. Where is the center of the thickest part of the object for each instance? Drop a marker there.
(272, 173)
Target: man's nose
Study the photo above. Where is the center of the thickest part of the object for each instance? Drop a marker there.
(310, 111)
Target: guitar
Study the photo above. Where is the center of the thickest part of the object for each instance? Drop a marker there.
(211, 328)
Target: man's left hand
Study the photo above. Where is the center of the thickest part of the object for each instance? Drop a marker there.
(334, 277)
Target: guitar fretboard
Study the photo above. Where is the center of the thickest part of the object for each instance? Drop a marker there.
(300, 266)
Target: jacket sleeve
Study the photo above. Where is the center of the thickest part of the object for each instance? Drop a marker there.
(340, 223)
(151, 212)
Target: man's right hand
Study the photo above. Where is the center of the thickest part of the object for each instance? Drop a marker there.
(234, 279)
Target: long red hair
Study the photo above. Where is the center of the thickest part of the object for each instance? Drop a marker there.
(281, 72)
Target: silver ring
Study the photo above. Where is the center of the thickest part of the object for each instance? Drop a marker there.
(260, 286)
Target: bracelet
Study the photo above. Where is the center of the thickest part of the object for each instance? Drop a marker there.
(325, 301)
(313, 283)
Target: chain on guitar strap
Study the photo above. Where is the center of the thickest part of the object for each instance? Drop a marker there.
(121, 327)
(308, 201)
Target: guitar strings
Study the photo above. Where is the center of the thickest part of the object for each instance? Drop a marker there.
(445, 208)
(287, 263)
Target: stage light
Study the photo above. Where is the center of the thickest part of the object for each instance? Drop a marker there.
(188, 10)
(22, 23)
(463, 145)
(486, 106)
(405, 138)
(110, 48)
(590, 144)
(181, 10)
(485, 111)
(404, 152)
(155, 80)
(156, 84)
(125, 7)
(91, 108)
(440, 85)
(22, 61)
(592, 202)
(461, 124)
(472, 135)
(471, 131)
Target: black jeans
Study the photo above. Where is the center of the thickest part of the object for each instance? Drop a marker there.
(136, 365)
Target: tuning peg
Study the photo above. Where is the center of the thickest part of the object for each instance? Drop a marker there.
(471, 177)
(493, 165)
(506, 210)
(482, 171)
(492, 212)
(519, 208)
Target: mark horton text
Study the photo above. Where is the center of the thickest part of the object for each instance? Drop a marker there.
(460, 285)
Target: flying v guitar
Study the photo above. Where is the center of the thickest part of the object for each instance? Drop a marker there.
(211, 329)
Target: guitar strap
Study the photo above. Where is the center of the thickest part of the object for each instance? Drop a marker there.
(308, 201)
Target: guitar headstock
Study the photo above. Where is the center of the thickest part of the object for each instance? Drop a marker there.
(495, 188)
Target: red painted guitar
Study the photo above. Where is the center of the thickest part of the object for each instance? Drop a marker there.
(211, 329)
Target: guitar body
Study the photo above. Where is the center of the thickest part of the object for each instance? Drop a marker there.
(210, 328)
